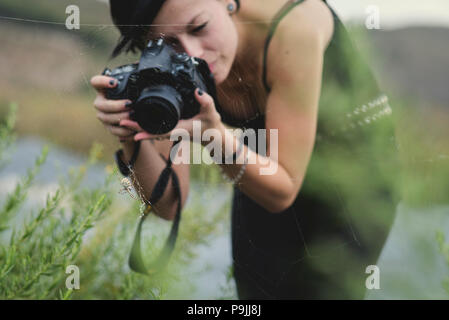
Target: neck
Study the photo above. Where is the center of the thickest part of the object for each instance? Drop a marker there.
(253, 21)
(251, 36)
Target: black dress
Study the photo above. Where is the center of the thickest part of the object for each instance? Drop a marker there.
(320, 247)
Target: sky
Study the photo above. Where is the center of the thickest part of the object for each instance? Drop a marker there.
(393, 13)
(396, 13)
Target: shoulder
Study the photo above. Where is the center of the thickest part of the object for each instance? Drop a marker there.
(300, 41)
(309, 19)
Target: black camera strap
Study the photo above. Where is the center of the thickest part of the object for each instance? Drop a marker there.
(135, 261)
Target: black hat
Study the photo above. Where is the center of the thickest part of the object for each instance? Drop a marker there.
(132, 18)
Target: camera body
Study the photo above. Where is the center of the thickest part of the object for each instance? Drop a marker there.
(161, 86)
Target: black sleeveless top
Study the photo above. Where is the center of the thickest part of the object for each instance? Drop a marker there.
(320, 247)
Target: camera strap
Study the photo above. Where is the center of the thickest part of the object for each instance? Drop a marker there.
(135, 261)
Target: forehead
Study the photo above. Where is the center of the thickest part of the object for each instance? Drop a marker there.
(176, 15)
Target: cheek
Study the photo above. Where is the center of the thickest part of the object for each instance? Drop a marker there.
(225, 43)
(222, 41)
(230, 37)
(224, 34)
(229, 47)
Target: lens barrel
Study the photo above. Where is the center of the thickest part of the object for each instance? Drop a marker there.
(158, 109)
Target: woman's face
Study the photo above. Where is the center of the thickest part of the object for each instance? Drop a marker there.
(201, 28)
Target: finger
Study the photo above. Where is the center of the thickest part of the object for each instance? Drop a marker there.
(143, 136)
(131, 125)
(147, 136)
(205, 100)
(101, 83)
(111, 106)
(184, 128)
(120, 131)
(112, 118)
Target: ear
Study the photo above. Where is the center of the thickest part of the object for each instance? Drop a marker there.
(231, 6)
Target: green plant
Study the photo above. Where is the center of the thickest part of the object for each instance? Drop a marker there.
(444, 249)
(90, 228)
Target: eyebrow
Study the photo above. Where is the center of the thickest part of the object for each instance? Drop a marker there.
(191, 21)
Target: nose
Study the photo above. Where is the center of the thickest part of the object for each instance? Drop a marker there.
(192, 46)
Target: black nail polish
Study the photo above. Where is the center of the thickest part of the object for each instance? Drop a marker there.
(128, 104)
(112, 82)
(200, 92)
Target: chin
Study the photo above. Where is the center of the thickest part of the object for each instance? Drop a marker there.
(220, 76)
(219, 79)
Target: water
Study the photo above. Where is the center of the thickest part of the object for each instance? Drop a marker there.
(207, 271)
(411, 266)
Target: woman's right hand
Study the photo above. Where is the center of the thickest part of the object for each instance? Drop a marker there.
(111, 112)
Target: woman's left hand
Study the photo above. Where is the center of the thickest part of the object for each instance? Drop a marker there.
(208, 115)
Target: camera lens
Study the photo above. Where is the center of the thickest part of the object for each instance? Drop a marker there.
(158, 109)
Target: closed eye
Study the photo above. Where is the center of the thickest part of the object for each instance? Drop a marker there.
(198, 29)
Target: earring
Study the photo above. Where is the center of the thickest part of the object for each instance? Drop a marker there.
(230, 7)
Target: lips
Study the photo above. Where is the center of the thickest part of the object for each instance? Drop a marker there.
(212, 66)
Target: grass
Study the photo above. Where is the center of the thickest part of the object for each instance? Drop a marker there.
(92, 229)
(91, 12)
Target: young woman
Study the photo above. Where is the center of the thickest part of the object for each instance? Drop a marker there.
(311, 229)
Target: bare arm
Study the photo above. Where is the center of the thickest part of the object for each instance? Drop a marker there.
(295, 62)
(149, 163)
(147, 170)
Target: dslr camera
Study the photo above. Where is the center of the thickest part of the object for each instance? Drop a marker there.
(161, 86)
